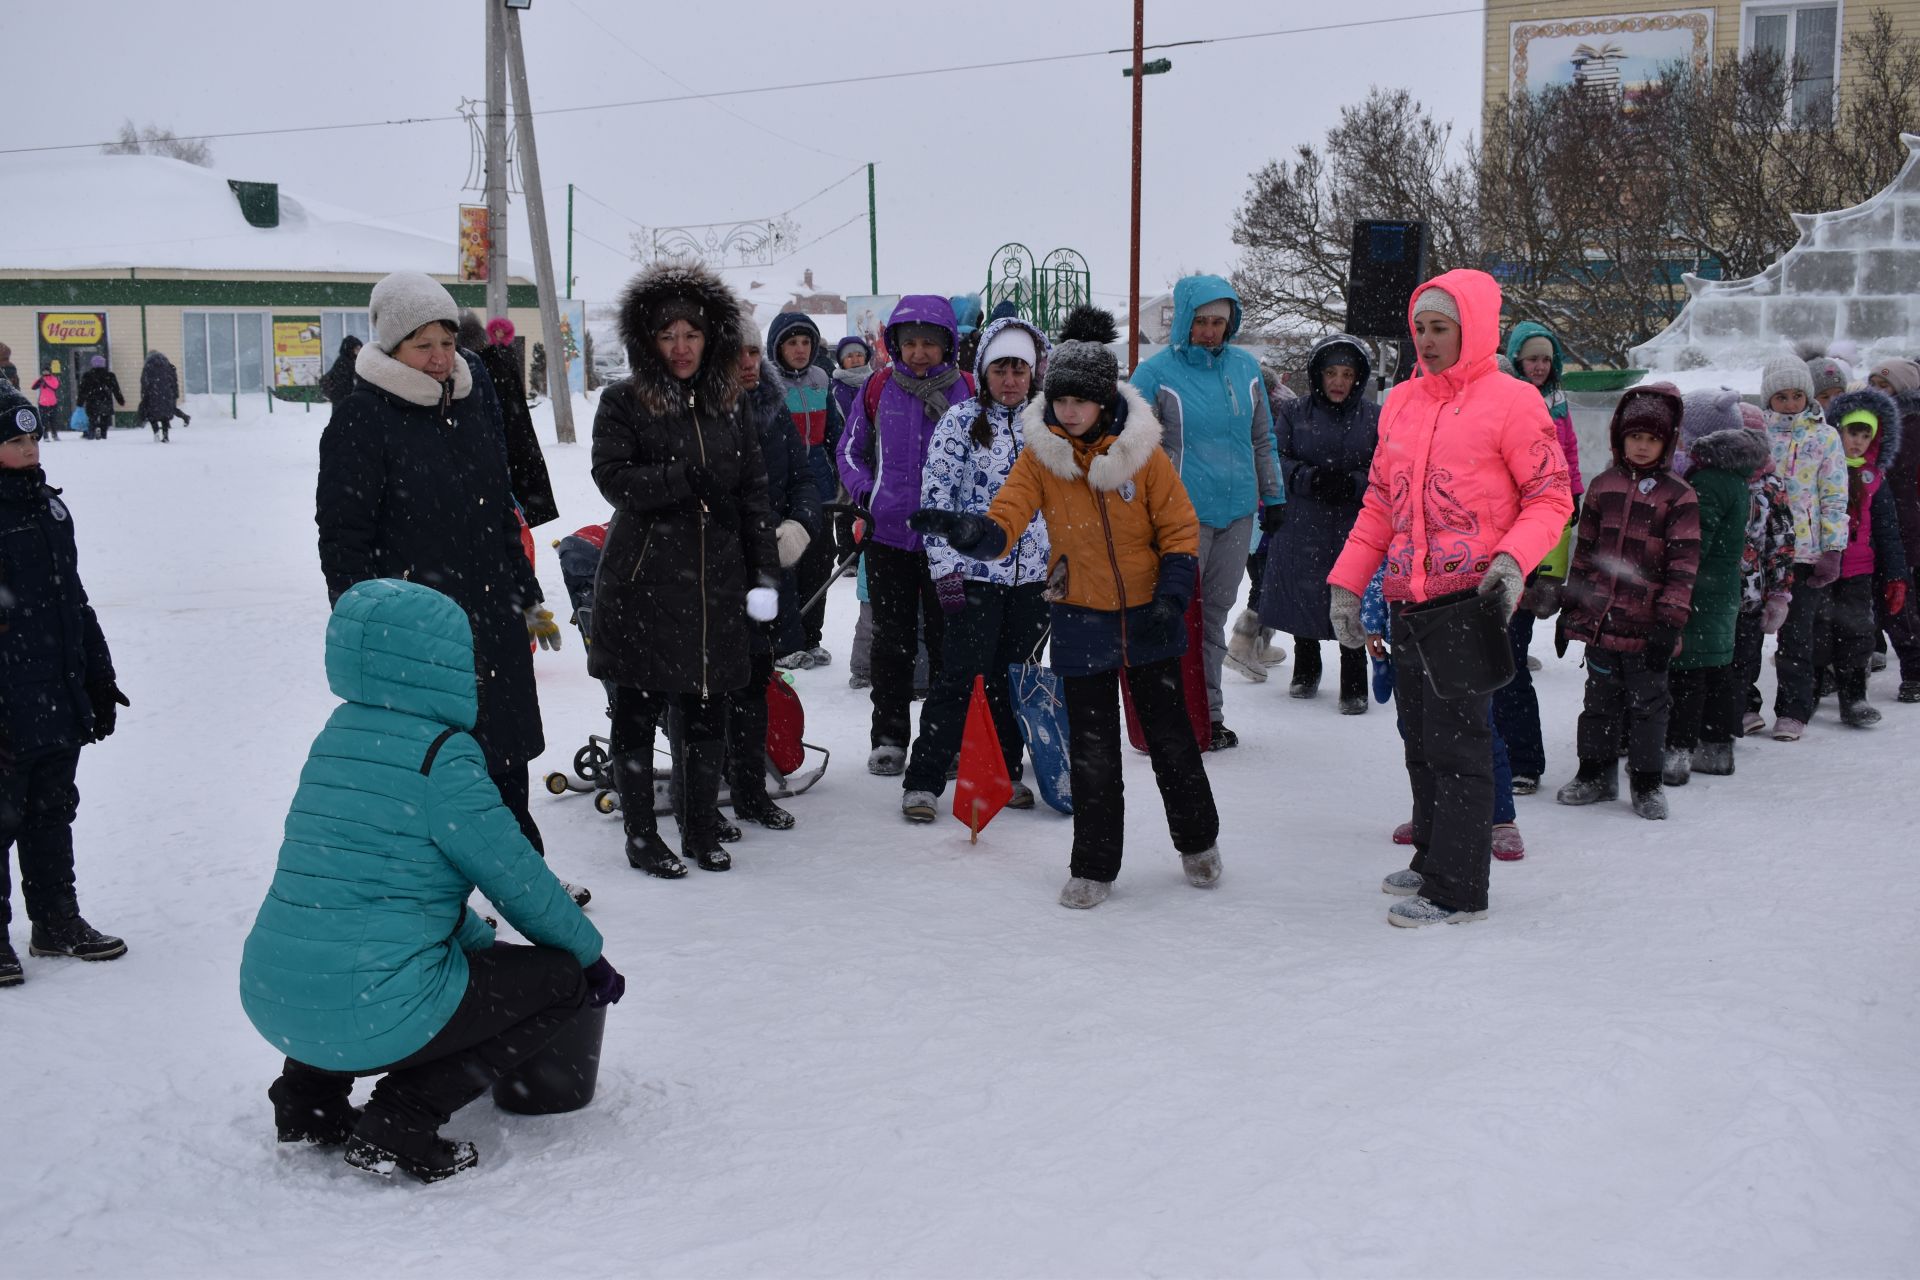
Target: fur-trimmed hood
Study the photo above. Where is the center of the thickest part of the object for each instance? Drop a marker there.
(1736, 449)
(993, 330)
(1130, 443)
(716, 384)
(404, 382)
(1883, 407)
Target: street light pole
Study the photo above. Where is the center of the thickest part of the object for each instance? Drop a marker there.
(560, 393)
(1133, 268)
(496, 161)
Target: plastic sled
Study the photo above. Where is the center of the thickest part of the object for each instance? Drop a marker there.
(1193, 684)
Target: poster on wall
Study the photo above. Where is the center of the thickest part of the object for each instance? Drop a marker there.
(475, 240)
(68, 341)
(573, 330)
(298, 354)
(1622, 56)
(867, 316)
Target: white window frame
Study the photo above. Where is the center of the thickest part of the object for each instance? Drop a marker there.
(1752, 9)
(333, 332)
(264, 319)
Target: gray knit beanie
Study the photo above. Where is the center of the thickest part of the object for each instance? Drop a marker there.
(1085, 370)
(1784, 373)
(403, 302)
(1441, 302)
(1827, 374)
(1707, 411)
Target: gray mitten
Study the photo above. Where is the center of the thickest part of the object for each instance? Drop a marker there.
(1504, 582)
(1345, 616)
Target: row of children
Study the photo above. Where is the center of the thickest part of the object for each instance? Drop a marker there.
(1720, 523)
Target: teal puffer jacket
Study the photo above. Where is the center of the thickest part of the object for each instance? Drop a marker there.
(358, 955)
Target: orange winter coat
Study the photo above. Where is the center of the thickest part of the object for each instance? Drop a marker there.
(1468, 465)
(1113, 508)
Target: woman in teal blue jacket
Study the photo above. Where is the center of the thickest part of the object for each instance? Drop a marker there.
(1211, 400)
(365, 958)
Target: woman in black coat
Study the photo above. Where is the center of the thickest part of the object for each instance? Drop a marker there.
(98, 393)
(526, 464)
(160, 395)
(413, 485)
(336, 384)
(690, 555)
(1326, 441)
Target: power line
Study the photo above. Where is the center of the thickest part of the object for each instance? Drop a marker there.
(772, 133)
(791, 86)
(701, 226)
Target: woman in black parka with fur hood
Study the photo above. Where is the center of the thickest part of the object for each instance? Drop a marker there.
(690, 554)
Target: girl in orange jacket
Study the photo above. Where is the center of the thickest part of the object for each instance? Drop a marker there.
(1122, 570)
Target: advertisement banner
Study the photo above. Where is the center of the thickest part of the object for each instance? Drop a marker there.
(573, 330)
(72, 328)
(475, 241)
(68, 341)
(298, 355)
(867, 316)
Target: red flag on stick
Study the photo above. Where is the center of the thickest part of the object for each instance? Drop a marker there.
(982, 788)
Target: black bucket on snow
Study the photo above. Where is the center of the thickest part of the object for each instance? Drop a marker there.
(561, 1077)
(1462, 641)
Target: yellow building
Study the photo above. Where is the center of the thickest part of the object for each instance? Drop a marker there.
(242, 286)
(1617, 45)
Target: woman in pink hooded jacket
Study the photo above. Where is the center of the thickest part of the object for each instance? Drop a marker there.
(1468, 490)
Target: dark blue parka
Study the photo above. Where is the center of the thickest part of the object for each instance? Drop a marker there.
(413, 485)
(51, 646)
(792, 493)
(1314, 437)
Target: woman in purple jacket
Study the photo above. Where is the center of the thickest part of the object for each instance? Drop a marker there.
(881, 456)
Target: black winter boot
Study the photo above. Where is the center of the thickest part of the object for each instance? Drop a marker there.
(1854, 709)
(11, 974)
(382, 1145)
(1649, 801)
(751, 803)
(1597, 780)
(1306, 669)
(74, 937)
(324, 1122)
(1353, 681)
(700, 777)
(646, 851)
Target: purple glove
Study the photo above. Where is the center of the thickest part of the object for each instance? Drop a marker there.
(1773, 614)
(605, 986)
(952, 591)
(1826, 570)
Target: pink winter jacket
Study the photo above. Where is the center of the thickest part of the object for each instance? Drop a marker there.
(1468, 465)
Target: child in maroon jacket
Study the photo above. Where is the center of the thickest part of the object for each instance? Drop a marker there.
(1628, 595)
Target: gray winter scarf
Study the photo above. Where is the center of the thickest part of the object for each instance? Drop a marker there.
(930, 392)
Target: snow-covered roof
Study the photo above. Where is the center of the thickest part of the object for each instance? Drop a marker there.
(75, 211)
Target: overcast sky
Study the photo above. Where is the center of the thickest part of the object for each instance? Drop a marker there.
(1037, 154)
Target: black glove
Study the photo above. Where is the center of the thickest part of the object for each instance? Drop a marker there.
(703, 482)
(970, 535)
(724, 510)
(1165, 616)
(1272, 516)
(1303, 478)
(1661, 641)
(106, 699)
(1330, 484)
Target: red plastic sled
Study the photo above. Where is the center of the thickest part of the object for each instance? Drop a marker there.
(1193, 683)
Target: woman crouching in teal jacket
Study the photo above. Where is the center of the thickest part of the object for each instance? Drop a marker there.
(365, 959)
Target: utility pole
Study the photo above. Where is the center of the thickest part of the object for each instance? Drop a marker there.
(496, 160)
(559, 393)
(1139, 73)
(569, 239)
(873, 232)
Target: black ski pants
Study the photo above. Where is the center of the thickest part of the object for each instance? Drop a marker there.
(1749, 645)
(1449, 753)
(517, 1000)
(999, 626)
(698, 728)
(1706, 706)
(1793, 666)
(1622, 693)
(1093, 735)
(516, 794)
(904, 608)
(38, 801)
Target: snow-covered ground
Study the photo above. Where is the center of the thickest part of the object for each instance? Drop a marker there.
(1683, 1048)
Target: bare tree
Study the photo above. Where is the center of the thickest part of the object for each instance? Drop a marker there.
(1589, 203)
(152, 140)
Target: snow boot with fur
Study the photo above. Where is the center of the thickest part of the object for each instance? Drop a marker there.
(1243, 647)
(1597, 780)
(920, 806)
(1403, 883)
(1415, 912)
(1203, 868)
(1649, 801)
(1081, 894)
(1715, 759)
(1676, 764)
(887, 761)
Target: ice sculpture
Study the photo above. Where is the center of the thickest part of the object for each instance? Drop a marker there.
(1854, 275)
